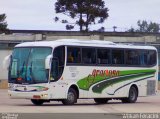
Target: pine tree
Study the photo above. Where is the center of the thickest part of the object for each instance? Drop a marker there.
(84, 12)
(3, 24)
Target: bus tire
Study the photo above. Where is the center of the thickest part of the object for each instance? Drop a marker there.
(101, 100)
(37, 102)
(71, 97)
(132, 98)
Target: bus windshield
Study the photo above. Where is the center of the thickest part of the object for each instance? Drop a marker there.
(28, 65)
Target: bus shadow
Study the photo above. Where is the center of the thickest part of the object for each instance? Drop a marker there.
(82, 104)
(59, 105)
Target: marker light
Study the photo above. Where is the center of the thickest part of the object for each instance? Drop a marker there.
(44, 95)
(19, 79)
(62, 78)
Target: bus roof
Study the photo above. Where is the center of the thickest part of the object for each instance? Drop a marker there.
(76, 42)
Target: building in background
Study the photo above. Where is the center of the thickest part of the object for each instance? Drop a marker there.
(8, 41)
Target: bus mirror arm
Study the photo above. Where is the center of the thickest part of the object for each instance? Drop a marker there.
(48, 62)
(6, 62)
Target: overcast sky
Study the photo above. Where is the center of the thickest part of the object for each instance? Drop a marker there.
(39, 14)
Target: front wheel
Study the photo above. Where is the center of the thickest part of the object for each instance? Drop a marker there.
(37, 102)
(132, 98)
(71, 97)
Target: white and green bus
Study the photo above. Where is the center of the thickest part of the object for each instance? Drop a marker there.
(66, 70)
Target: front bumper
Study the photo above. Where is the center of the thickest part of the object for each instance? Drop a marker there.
(29, 95)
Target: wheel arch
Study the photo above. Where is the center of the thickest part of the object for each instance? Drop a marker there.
(136, 87)
(75, 87)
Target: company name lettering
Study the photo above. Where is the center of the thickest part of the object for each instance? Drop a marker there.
(110, 73)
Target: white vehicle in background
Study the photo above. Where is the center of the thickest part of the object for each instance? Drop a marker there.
(67, 70)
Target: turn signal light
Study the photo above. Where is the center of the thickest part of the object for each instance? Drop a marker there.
(61, 78)
(19, 79)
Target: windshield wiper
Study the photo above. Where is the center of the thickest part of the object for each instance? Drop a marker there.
(31, 73)
(21, 71)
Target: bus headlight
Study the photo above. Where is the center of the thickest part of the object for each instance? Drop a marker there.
(44, 95)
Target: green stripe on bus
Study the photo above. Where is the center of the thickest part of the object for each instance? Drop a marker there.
(98, 88)
(87, 82)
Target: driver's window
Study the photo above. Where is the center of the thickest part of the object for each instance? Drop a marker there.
(58, 62)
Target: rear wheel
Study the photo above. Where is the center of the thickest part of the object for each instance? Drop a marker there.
(71, 97)
(37, 102)
(101, 100)
(132, 98)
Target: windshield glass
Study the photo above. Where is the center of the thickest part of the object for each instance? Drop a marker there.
(28, 65)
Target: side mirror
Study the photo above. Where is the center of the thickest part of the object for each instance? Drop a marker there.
(48, 62)
(6, 62)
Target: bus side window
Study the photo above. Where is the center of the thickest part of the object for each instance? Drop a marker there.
(73, 55)
(152, 58)
(148, 58)
(128, 56)
(103, 56)
(89, 55)
(144, 58)
(117, 56)
(70, 58)
(133, 57)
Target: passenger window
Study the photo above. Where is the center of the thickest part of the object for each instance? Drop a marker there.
(148, 58)
(117, 56)
(103, 56)
(89, 55)
(144, 59)
(132, 57)
(152, 58)
(73, 55)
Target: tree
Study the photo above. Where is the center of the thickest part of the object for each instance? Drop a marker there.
(144, 26)
(131, 30)
(3, 23)
(84, 12)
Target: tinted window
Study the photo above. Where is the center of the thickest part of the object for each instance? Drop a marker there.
(59, 53)
(117, 56)
(73, 55)
(89, 55)
(58, 63)
(28, 64)
(152, 58)
(132, 57)
(103, 56)
(148, 57)
(140, 57)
